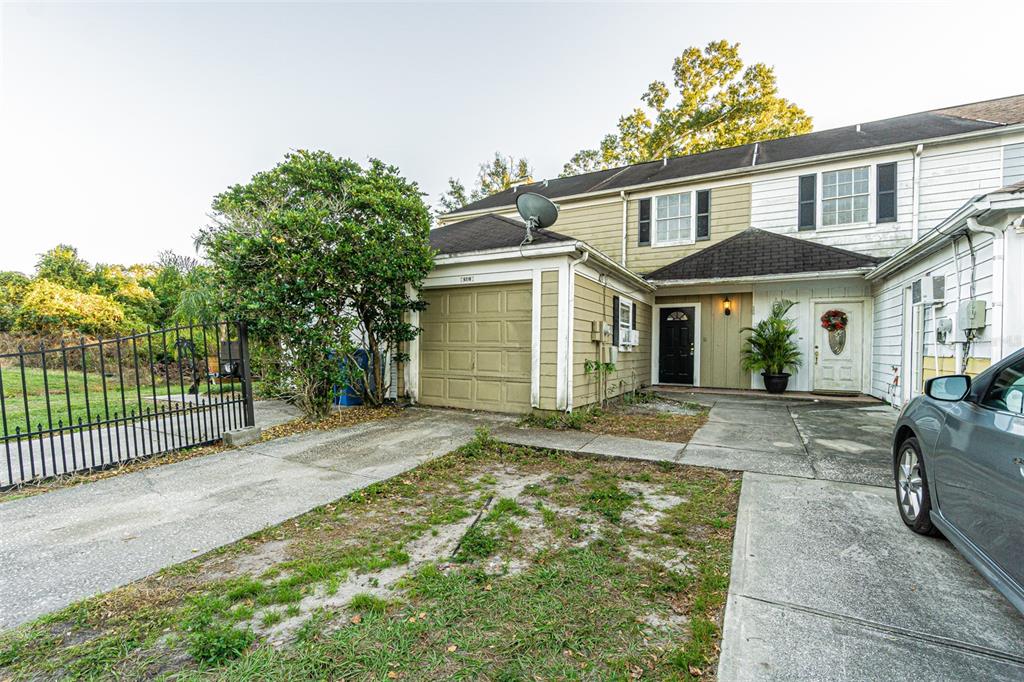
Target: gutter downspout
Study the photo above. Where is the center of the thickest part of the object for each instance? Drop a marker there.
(915, 209)
(622, 196)
(998, 277)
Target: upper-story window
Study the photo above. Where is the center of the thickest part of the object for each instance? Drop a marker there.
(673, 219)
(844, 196)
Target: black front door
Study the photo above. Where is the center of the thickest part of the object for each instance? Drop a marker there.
(675, 352)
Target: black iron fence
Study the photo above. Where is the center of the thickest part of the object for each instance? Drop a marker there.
(97, 403)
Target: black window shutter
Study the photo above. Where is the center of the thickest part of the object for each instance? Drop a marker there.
(633, 325)
(644, 223)
(808, 202)
(886, 193)
(615, 320)
(703, 214)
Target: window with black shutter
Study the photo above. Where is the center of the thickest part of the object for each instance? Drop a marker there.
(703, 214)
(886, 193)
(615, 320)
(634, 317)
(808, 202)
(644, 223)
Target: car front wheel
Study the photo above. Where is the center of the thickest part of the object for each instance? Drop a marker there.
(912, 495)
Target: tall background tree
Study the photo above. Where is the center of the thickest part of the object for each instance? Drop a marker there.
(714, 103)
(496, 175)
(320, 255)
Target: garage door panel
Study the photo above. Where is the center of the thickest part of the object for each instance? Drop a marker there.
(518, 362)
(432, 360)
(488, 302)
(489, 361)
(460, 332)
(460, 389)
(517, 393)
(432, 388)
(433, 332)
(489, 391)
(519, 301)
(475, 351)
(460, 303)
(518, 332)
(488, 332)
(460, 360)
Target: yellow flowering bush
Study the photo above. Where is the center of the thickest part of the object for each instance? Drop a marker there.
(49, 307)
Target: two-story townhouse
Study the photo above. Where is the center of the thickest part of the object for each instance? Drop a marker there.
(657, 267)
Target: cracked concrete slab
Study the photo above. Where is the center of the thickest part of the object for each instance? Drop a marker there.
(719, 457)
(65, 545)
(781, 437)
(827, 583)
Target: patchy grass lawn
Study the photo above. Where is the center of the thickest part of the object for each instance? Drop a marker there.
(337, 420)
(493, 562)
(641, 416)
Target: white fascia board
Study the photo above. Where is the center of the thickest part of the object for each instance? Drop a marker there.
(765, 168)
(786, 277)
(531, 252)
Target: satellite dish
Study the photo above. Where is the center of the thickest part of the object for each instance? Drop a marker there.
(538, 212)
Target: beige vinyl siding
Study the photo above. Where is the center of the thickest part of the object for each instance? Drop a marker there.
(730, 214)
(597, 224)
(548, 339)
(720, 338)
(593, 302)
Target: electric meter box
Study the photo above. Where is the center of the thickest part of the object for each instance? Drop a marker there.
(971, 315)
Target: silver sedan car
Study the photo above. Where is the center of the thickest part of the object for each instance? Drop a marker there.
(958, 461)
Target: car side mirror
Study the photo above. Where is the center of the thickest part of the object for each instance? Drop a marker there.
(949, 389)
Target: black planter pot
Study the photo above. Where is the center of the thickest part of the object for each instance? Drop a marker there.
(775, 383)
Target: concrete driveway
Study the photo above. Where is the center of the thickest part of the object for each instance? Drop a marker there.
(827, 583)
(65, 545)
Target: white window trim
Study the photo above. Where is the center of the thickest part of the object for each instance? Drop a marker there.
(819, 199)
(655, 243)
(627, 324)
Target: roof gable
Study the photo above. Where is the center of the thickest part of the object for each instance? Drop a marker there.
(756, 253)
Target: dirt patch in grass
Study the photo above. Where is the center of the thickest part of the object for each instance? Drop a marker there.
(337, 420)
(644, 416)
(493, 562)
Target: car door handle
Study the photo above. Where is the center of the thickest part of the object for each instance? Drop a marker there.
(1019, 461)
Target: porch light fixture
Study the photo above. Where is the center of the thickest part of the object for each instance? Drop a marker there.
(727, 306)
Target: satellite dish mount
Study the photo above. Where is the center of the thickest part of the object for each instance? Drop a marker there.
(537, 212)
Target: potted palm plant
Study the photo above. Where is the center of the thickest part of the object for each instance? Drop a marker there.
(771, 348)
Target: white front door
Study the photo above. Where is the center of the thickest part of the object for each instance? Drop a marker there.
(837, 354)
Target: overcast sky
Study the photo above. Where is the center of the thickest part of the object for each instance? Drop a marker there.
(118, 123)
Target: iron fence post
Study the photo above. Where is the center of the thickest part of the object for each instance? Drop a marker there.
(243, 350)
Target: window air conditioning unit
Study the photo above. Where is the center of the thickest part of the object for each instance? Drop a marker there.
(632, 337)
(929, 290)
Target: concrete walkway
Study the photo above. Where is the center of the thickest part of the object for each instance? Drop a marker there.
(72, 543)
(827, 583)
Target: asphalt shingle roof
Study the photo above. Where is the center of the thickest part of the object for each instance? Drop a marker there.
(487, 232)
(900, 129)
(755, 252)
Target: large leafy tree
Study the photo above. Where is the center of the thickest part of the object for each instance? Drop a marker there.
(62, 265)
(496, 175)
(714, 103)
(320, 255)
